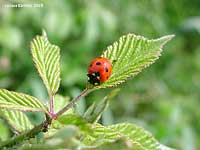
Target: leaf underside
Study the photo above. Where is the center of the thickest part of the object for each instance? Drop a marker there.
(16, 119)
(46, 57)
(20, 101)
(130, 55)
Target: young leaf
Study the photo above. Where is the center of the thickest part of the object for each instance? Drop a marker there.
(74, 119)
(20, 101)
(130, 55)
(94, 112)
(137, 135)
(47, 61)
(16, 119)
(66, 132)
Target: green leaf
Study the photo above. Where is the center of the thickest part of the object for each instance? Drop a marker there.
(16, 119)
(47, 61)
(138, 136)
(94, 112)
(66, 132)
(118, 144)
(130, 55)
(20, 101)
(62, 139)
(74, 119)
(56, 126)
(4, 130)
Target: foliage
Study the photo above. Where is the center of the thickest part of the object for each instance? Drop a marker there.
(46, 57)
(18, 121)
(19, 101)
(94, 112)
(130, 55)
(163, 99)
(138, 137)
(47, 60)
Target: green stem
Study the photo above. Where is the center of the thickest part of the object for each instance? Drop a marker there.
(73, 102)
(44, 125)
(27, 135)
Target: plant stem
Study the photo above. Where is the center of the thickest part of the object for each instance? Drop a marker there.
(43, 127)
(72, 103)
(51, 104)
(27, 135)
(51, 107)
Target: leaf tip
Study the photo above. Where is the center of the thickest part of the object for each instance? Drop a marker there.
(169, 37)
(164, 39)
(44, 33)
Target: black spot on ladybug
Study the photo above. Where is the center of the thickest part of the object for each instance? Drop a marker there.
(90, 65)
(107, 77)
(106, 69)
(98, 63)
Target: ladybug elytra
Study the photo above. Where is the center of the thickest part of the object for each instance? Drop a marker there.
(99, 70)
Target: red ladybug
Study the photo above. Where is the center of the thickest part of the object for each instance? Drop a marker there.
(99, 70)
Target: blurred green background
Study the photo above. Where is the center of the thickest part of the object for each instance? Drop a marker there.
(164, 98)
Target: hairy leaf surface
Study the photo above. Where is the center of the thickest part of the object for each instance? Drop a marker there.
(20, 101)
(16, 119)
(138, 136)
(46, 57)
(130, 55)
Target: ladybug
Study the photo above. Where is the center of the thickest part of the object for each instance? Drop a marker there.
(99, 70)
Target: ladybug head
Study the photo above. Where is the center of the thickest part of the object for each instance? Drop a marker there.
(94, 78)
